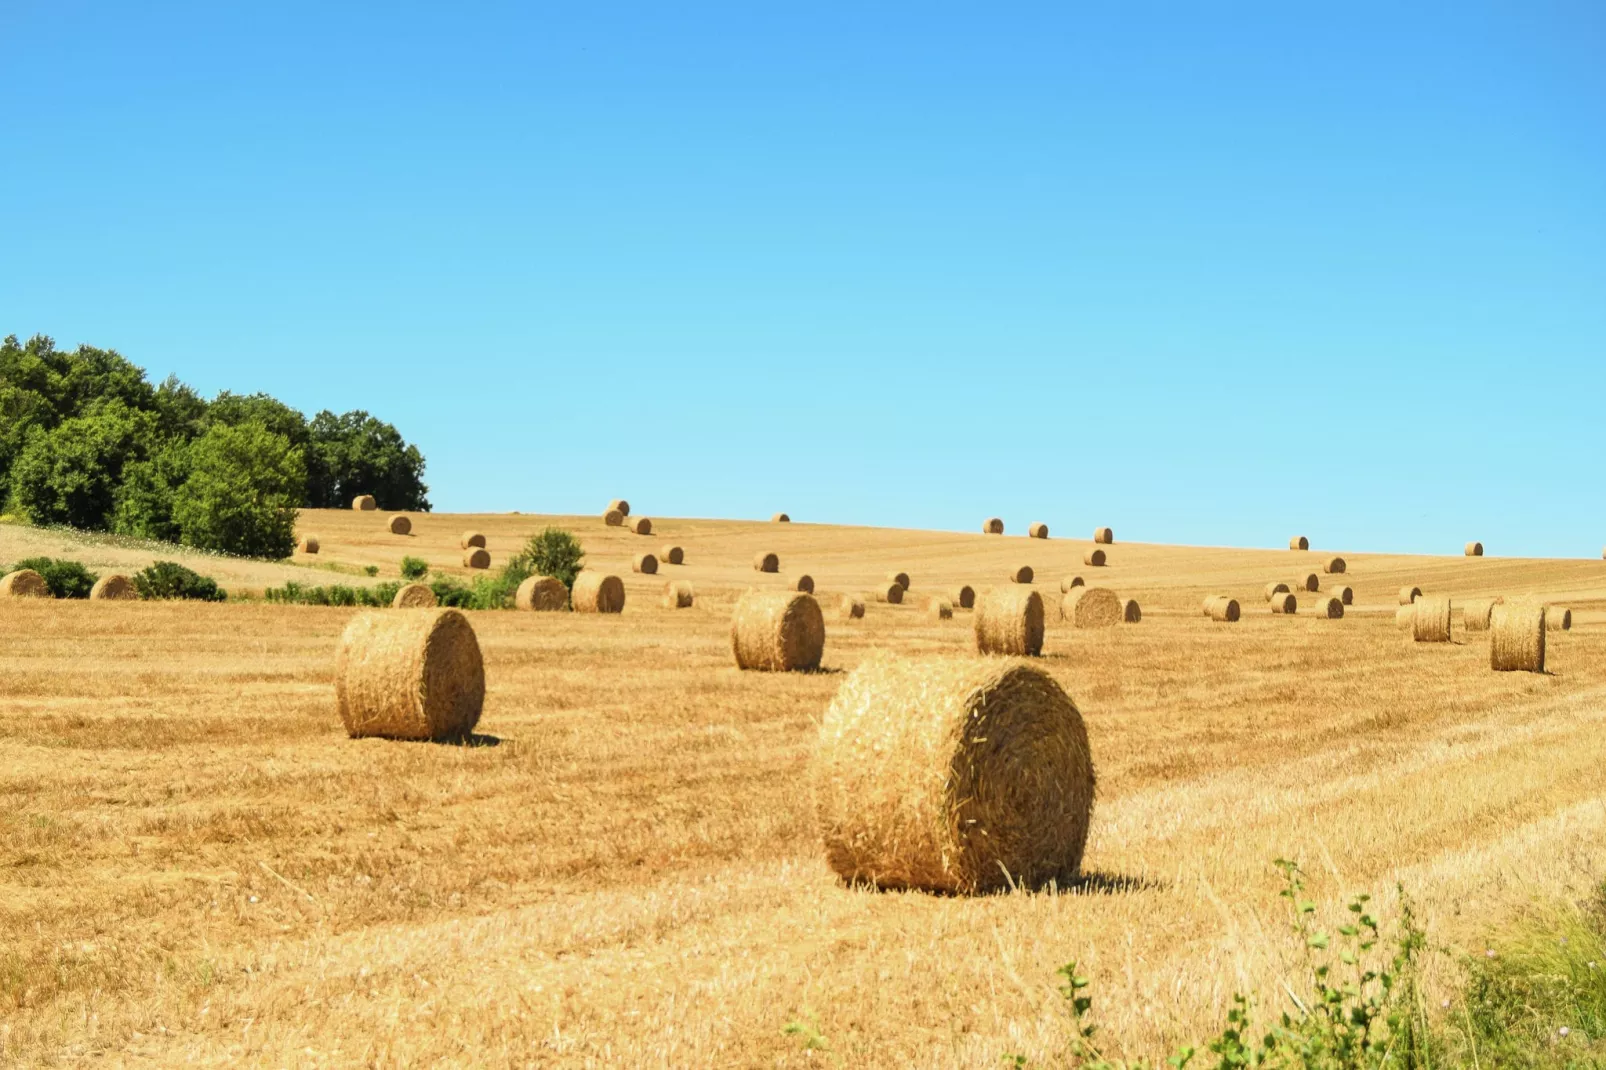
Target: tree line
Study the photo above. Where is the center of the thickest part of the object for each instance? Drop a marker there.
(87, 441)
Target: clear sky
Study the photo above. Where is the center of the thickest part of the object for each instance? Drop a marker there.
(1205, 272)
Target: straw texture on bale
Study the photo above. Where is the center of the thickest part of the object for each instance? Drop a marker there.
(1093, 558)
(766, 562)
(1475, 613)
(364, 503)
(400, 525)
(645, 563)
(409, 675)
(1344, 594)
(1430, 622)
(24, 583)
(308, 544)
(541, 594)
(964, 596)
(1474, 549)
(1558, 619)
(1405, 617)
(1038, 530)
(1517, 637)
(1009, 620)
(477, 557)
(804, 583)
(620, 506)
(613, 518)
(1328, 608)
(113, 587)
(1221, 608)
(598, 592)
(1334, 565)
(1313, 582)
(1091, 607)
(1131, 612)
(1285, 604)
(780, 518)
(1274, 589)
(414, 596)
(992, 526)
(470, 538)
(1021, 574)
(852, 608)
(1104, 535)
(890, 593)
(953, 775)
(900, 578)
(678, 594)
(1070, 581)
(1299, 542)
(777, 631)
(672, 555)
(640, 525)
(940, 609)
(1409, 595)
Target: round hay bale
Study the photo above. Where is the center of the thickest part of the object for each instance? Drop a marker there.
(1275, 589)
(1313, 582)
(1009, 620)
(1131, 612)
(1104, 535)
(672, 555)
(400, 525)
(852, 607)
(1409, 595)
(113, 587)
(1405, 617)
(766, 562)
(1475, 613)
(804, 583)
(1334, 566)
(777, 631)
(1091, 607)
(1328, 608)
(900, 578)
(1221, 608)
(613, 518)
(1344, 594)
(1284, 604)
(1299, 542)
(1021, 574)
(541, 594)
(409, 675)
(620, 506)
(598, 592)
(1038, 530)
(1517, 637)
(24, 583)
(478, 557)
(1093, 559)
(645, 563)
(780, 518)
(940, 609)
(414, 596)
(1474, 549)
(992, 526)
(364, 503)
(470, 538)
(1071, 581)
(891, 593)
(308, 544)
(964, 596)
(1430, 623)
(1558, 619)
(640, 525)
(678, 594)
(953, 775)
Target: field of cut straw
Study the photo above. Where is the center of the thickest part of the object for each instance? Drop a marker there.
(197, 866)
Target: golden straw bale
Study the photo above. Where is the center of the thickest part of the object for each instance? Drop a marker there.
(1131, 612)
(804, 583)
(1334, 565)
(777, 631)
(414, 596)
(1474, 549)
(1021, 574)
(1409, 595)
(1009, 620)
(620, 506)
(1313, 582)
(113, 587)
(678, 594)
(672, 555)
(24, 583)
(1558, 619)
(409, 675)
(364, 503)
(400, 525)
(1431, 621)
(1091, 607)
(598, 592)
(992, 526)
(640, 525)
(1222, 608)
(1038, 530)
(940, 609)
(1299, 542)
(1475, 613)
(1274, 589)
(1517, 637)
(613, 518)
(780, 518)
(645, 563)
(1344, 594)
(1285, 604)
(1328, 608)
(308, 544)
(953, 775)
(1070, 581)
(890, 593)
(766, 562)
(852, 607)
(478, 557)
(1093, 558)
(1405, 616)
(1104, 535)
(900, 578)
(470, 538)
(964, 596)
(541, 594)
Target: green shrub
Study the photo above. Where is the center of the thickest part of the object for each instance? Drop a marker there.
(66, 579)
(241, 495)
(452, 592)
(414, 568)
(292, 593)
(171, 580)
(554, 552)
(370, 570)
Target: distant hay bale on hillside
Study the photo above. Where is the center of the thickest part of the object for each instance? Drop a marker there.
(1021, 574)
(1558, 619)
(914, 788)
(1009, 620)
(764, 562)
(1219, 607)
(1312, 582)
(613, 518)
(24, 583)
(1409, 595)
(640, 525)
(400, 525)
(1474, 549)
(1517, 637)
(598, 592)
(1093, 559)
(541, 594)
(900, 578)
(414, 596)
(672, 555)
(409, 675)
(852, 607)
(1104, 535)
(777, 631)
(364, 503)
(964, 596)
(1430, 622)
(1328, 608)
(1038, 530)
(1131, 612)
(678, 594)
(113, 587)
(890, 592)
(1475, 613)
(308, 544)
(478, 557)
(992, 526)
(1070, 581)
(1299, 542)
(1405, 617)
(1344, 594)
(1274, 589)
(1334, 566)
(940, 609)
(645, 563)
(470, 538)
(1284, 604)
(620, 506)
(780, 518)
(804, 583)
(1091, 607)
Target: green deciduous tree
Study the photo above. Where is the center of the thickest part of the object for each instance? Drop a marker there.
(70, 473)
(358, 454)
(241, 493)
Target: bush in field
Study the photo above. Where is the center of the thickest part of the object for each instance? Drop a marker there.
(414, 568)
(66, 579)
(242, 491)
(171, 580)
(554, 552)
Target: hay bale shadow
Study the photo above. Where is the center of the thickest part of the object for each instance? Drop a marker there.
(472, 739)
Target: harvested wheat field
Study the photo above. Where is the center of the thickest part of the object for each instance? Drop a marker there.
(623, 866)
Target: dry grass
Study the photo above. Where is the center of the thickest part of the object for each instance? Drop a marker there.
(197, 866)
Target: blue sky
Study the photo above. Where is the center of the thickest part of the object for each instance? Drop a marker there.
(1208, 273)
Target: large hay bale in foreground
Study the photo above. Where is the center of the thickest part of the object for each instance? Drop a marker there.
(1328, 608)
(678, 594)
(1009, 620)
(1274, 589)
(414, 596)
(777, 631)
(940, 609)
(1517, 637)
(1299, 542)
(613, 518)
(1475, 613)
(852, 607)
(1219, 607)
(780, 518)
(24, 583)
(1284, 604)
(1038, 530)
(900, 578)
(639, 524)
(114, 587)
(409, 675)
(620, 506)
(645, 563)
(992, 526)
(364, 503)
(964, 596)
(1334, 565)
(1405, 617)
(953, 775)
(1093, 559)
(598, 592)
(891, 593)
(1021, 574)
(1430, 621)
(1409, 595)
(1474, 549)
(478, 557)
(1131, 612)
(672, 555)
(400, 525)
(308, 544)
(766, 562)
(1071, 581)
(1558, 619)
(541, 594)
(1091, 607)
(1104, 535)
(470, 538)
(804, 583)
(1344, 594)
